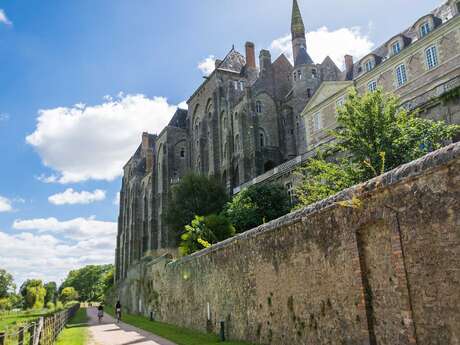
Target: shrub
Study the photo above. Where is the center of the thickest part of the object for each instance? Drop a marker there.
(50, 306)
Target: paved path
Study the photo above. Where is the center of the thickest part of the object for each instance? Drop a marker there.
(111, 333)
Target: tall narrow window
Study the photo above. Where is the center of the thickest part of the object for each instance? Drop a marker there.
(308, 93)
(424, 29)
(401, 75)
(242, 85)
(317, 125)
(431, 57)
(258, 107)
(235, 85)
(299, 73)
(182, 153)
(396, 48)
(372, 86)
(295, 76)
(314, 73)
(262, 139)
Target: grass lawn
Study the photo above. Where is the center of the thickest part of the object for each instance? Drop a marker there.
(180, 336)
(76, 331)
(16, 319)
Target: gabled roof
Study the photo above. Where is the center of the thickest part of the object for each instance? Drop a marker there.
(234, 61)
(325, 92)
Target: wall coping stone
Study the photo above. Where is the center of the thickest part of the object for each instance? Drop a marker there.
(431, 161)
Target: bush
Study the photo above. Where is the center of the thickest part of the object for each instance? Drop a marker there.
(256, 205)
(50, 306)
(59, 305)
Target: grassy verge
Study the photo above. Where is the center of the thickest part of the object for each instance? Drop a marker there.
(76, 331)
(181, 336)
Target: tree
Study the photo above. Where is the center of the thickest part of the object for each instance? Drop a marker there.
(256, 205)
(378, 132)
(194, 195)
(51, 291)
(68, 294)
(204, 232)
(7, 285)
(87, 281)
(374, 135)
(108, 280)
(34, 293)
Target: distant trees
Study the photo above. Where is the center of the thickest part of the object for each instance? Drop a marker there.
(51, 292)
(33, 292)
(69, 294)
(89, 282)
(7, 285)
(374, 135)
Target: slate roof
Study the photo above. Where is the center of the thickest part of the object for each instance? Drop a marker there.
(303, 58)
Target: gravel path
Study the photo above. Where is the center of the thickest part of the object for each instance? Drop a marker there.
(111, 333)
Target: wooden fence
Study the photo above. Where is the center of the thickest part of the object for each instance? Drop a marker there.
(42, 331)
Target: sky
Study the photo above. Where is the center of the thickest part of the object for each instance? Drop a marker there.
(81, 80)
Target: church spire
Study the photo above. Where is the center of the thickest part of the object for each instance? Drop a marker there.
(297, 26)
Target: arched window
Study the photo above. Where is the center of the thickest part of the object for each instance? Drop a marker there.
(182, 153)
(314, 73)
(258, 107)
(308, 93)
(262, 139)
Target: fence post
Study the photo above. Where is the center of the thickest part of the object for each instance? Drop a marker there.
(2, 338)
(32, 334)
(21, 336)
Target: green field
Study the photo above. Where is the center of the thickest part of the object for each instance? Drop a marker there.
(180, 336)
(76, 331)
(13, 320)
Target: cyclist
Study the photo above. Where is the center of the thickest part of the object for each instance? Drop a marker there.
(100, 312)
(118, 311)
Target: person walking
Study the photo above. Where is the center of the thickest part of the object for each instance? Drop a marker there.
(100, 312)
(118, 311)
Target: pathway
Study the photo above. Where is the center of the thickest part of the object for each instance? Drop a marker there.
(111, 333)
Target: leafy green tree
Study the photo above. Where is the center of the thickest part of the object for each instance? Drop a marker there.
(256, 205)
(378, 132)
(88, 282)
(7, 285)
(16, 300)
(68, 294)
(374, 135)
(194, 195)
(35, 295)
(108, 280)
(51, 292)
(204, 232)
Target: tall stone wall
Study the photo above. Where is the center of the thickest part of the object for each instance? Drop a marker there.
(384, 271)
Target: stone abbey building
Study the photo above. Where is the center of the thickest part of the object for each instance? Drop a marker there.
(249, 123)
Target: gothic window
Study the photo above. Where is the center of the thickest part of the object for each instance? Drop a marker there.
(182, 152)
(372, 86)
(401, 75)
(396, 48)
(317, 125)
(258, 107)
(431, 57)
(299, 73)
(314, 73)
(424, 29)
(262, 139)
(308, 93)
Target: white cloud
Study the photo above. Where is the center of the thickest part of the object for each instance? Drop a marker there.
(94, 142)
(4, 117)
(71, 197)
(116, 199)
(323, 42)
(208, 65)
(43, 256)
(4, 19)
(75, 229)
(183, 105)
(5, 205)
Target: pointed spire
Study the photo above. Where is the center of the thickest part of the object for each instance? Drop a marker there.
(297, 26)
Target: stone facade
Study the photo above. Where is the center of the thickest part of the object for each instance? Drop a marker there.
(385, 272)
(250, 124)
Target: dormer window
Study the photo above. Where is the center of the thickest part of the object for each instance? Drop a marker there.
(369, 65)
(396, 48)
(424, 29)
(258, 107)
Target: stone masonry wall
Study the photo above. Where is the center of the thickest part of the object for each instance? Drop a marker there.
(382, 272)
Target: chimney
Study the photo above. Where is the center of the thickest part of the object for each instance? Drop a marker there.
(265, 60)
(145, 141)
(349, 67)
(250, 55)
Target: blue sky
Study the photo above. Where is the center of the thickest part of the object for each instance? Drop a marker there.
(80, 81)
